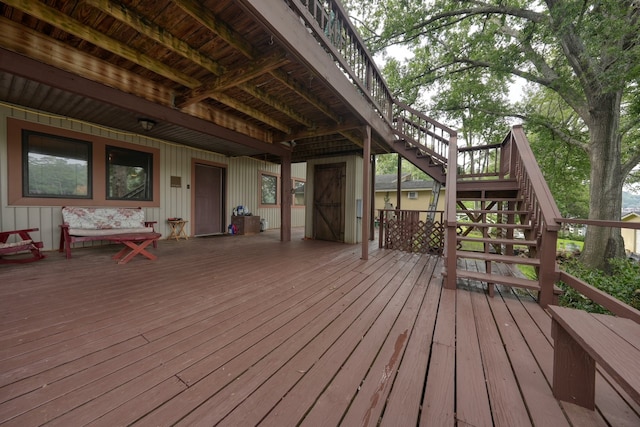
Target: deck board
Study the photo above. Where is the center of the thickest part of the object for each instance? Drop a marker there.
(247, 330)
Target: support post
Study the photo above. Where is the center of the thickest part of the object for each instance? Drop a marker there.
(285, 197)
(366, 192)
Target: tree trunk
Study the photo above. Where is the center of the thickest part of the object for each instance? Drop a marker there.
(603, 243)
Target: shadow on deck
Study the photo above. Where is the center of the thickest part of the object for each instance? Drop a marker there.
(246, 330)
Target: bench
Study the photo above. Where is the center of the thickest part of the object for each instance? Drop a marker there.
(23, 243)
(117, 225)
(581, 340)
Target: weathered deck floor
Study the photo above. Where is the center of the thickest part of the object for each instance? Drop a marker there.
(246, 330)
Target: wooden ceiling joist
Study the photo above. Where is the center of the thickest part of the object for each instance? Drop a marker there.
(203, 15)
(166, 39)
(231, 78)
(70, 25)
(234, 39)
(156, 33)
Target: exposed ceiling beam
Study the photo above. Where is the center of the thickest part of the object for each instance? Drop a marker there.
(235, 39)
(213, 23)
(165, 38)
(70, 25)
(55, 77)
(231, 78)
(321, 131)
(252, 112)
(296, 86)
(156, 33)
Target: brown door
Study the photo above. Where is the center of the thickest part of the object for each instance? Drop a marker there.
(209, 200)
(328, 202)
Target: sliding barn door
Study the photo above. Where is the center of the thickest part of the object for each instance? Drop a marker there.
(329, 201)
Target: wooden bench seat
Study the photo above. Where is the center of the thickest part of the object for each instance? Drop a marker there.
(583, 339)
(118, 225)
(25, 244)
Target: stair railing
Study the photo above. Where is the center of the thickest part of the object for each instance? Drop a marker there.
(544, 211)
(451, 221)
(512, 159)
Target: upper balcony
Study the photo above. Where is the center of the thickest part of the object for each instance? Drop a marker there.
(242, 78)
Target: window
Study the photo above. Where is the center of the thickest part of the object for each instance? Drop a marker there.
(129, 174)
(298, 193)
(55, 166)
(269, 189)
(412, 195)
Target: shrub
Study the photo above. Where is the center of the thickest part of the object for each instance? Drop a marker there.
(623, 283)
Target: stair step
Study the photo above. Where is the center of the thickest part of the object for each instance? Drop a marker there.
(498, 278)
(500, 241)
(489, 224)
(487, 199)
(491, 211)
(507, 259)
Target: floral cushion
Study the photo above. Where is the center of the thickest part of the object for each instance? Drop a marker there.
(116, 219)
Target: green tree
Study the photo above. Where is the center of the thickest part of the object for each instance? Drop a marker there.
(587, 52)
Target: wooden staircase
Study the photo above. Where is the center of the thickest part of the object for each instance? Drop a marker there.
(499, 210)
(494, 226)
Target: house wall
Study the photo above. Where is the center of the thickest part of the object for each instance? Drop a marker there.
(631, 237)
(421, 203)
(353, 224)
(243, 179)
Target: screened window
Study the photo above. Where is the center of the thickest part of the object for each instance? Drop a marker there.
(129, 174)
(298, 193)
(269, 189)
(54, 166)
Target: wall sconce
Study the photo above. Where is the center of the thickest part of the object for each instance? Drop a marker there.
(146, 124)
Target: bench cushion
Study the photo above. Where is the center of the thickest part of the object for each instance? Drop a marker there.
(103, 219)
(107, 231)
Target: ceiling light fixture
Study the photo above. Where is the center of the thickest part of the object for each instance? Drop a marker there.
(146, 124)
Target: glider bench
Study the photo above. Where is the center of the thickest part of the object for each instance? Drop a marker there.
(117, 225)
(23, 243)
(581, 340)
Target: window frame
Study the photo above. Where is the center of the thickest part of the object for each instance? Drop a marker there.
(264, 174)
(15, 168)
(293, 186)
(148, 157)
(26, 151)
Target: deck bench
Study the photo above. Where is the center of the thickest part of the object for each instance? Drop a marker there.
(118, 225)
(24, 244)
(581, 340)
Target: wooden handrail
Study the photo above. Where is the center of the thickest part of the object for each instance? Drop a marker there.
(548, 206)
(600, 297)
(600, 223)
(333, 29)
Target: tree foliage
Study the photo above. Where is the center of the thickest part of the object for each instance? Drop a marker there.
(586, 53)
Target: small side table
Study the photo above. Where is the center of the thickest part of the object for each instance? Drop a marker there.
(177, 229)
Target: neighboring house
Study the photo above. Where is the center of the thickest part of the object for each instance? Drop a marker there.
(415, 194)
(631, 237)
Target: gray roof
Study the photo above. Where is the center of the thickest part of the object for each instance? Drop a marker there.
(390, 183)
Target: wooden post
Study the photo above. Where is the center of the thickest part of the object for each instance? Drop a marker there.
(285, 197)
(372, 205)
(547, 274)
(574, 370)
(399, 183)
(366, 192)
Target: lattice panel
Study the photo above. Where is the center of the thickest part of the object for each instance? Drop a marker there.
(411, 236)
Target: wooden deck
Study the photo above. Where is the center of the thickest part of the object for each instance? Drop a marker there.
(246, 330)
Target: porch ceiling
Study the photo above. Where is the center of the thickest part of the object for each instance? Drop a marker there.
(211, 74)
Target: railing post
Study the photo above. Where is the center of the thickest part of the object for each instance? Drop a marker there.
(547, 273)
(450, 214)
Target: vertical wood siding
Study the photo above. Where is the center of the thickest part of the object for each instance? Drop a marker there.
(175, 160)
